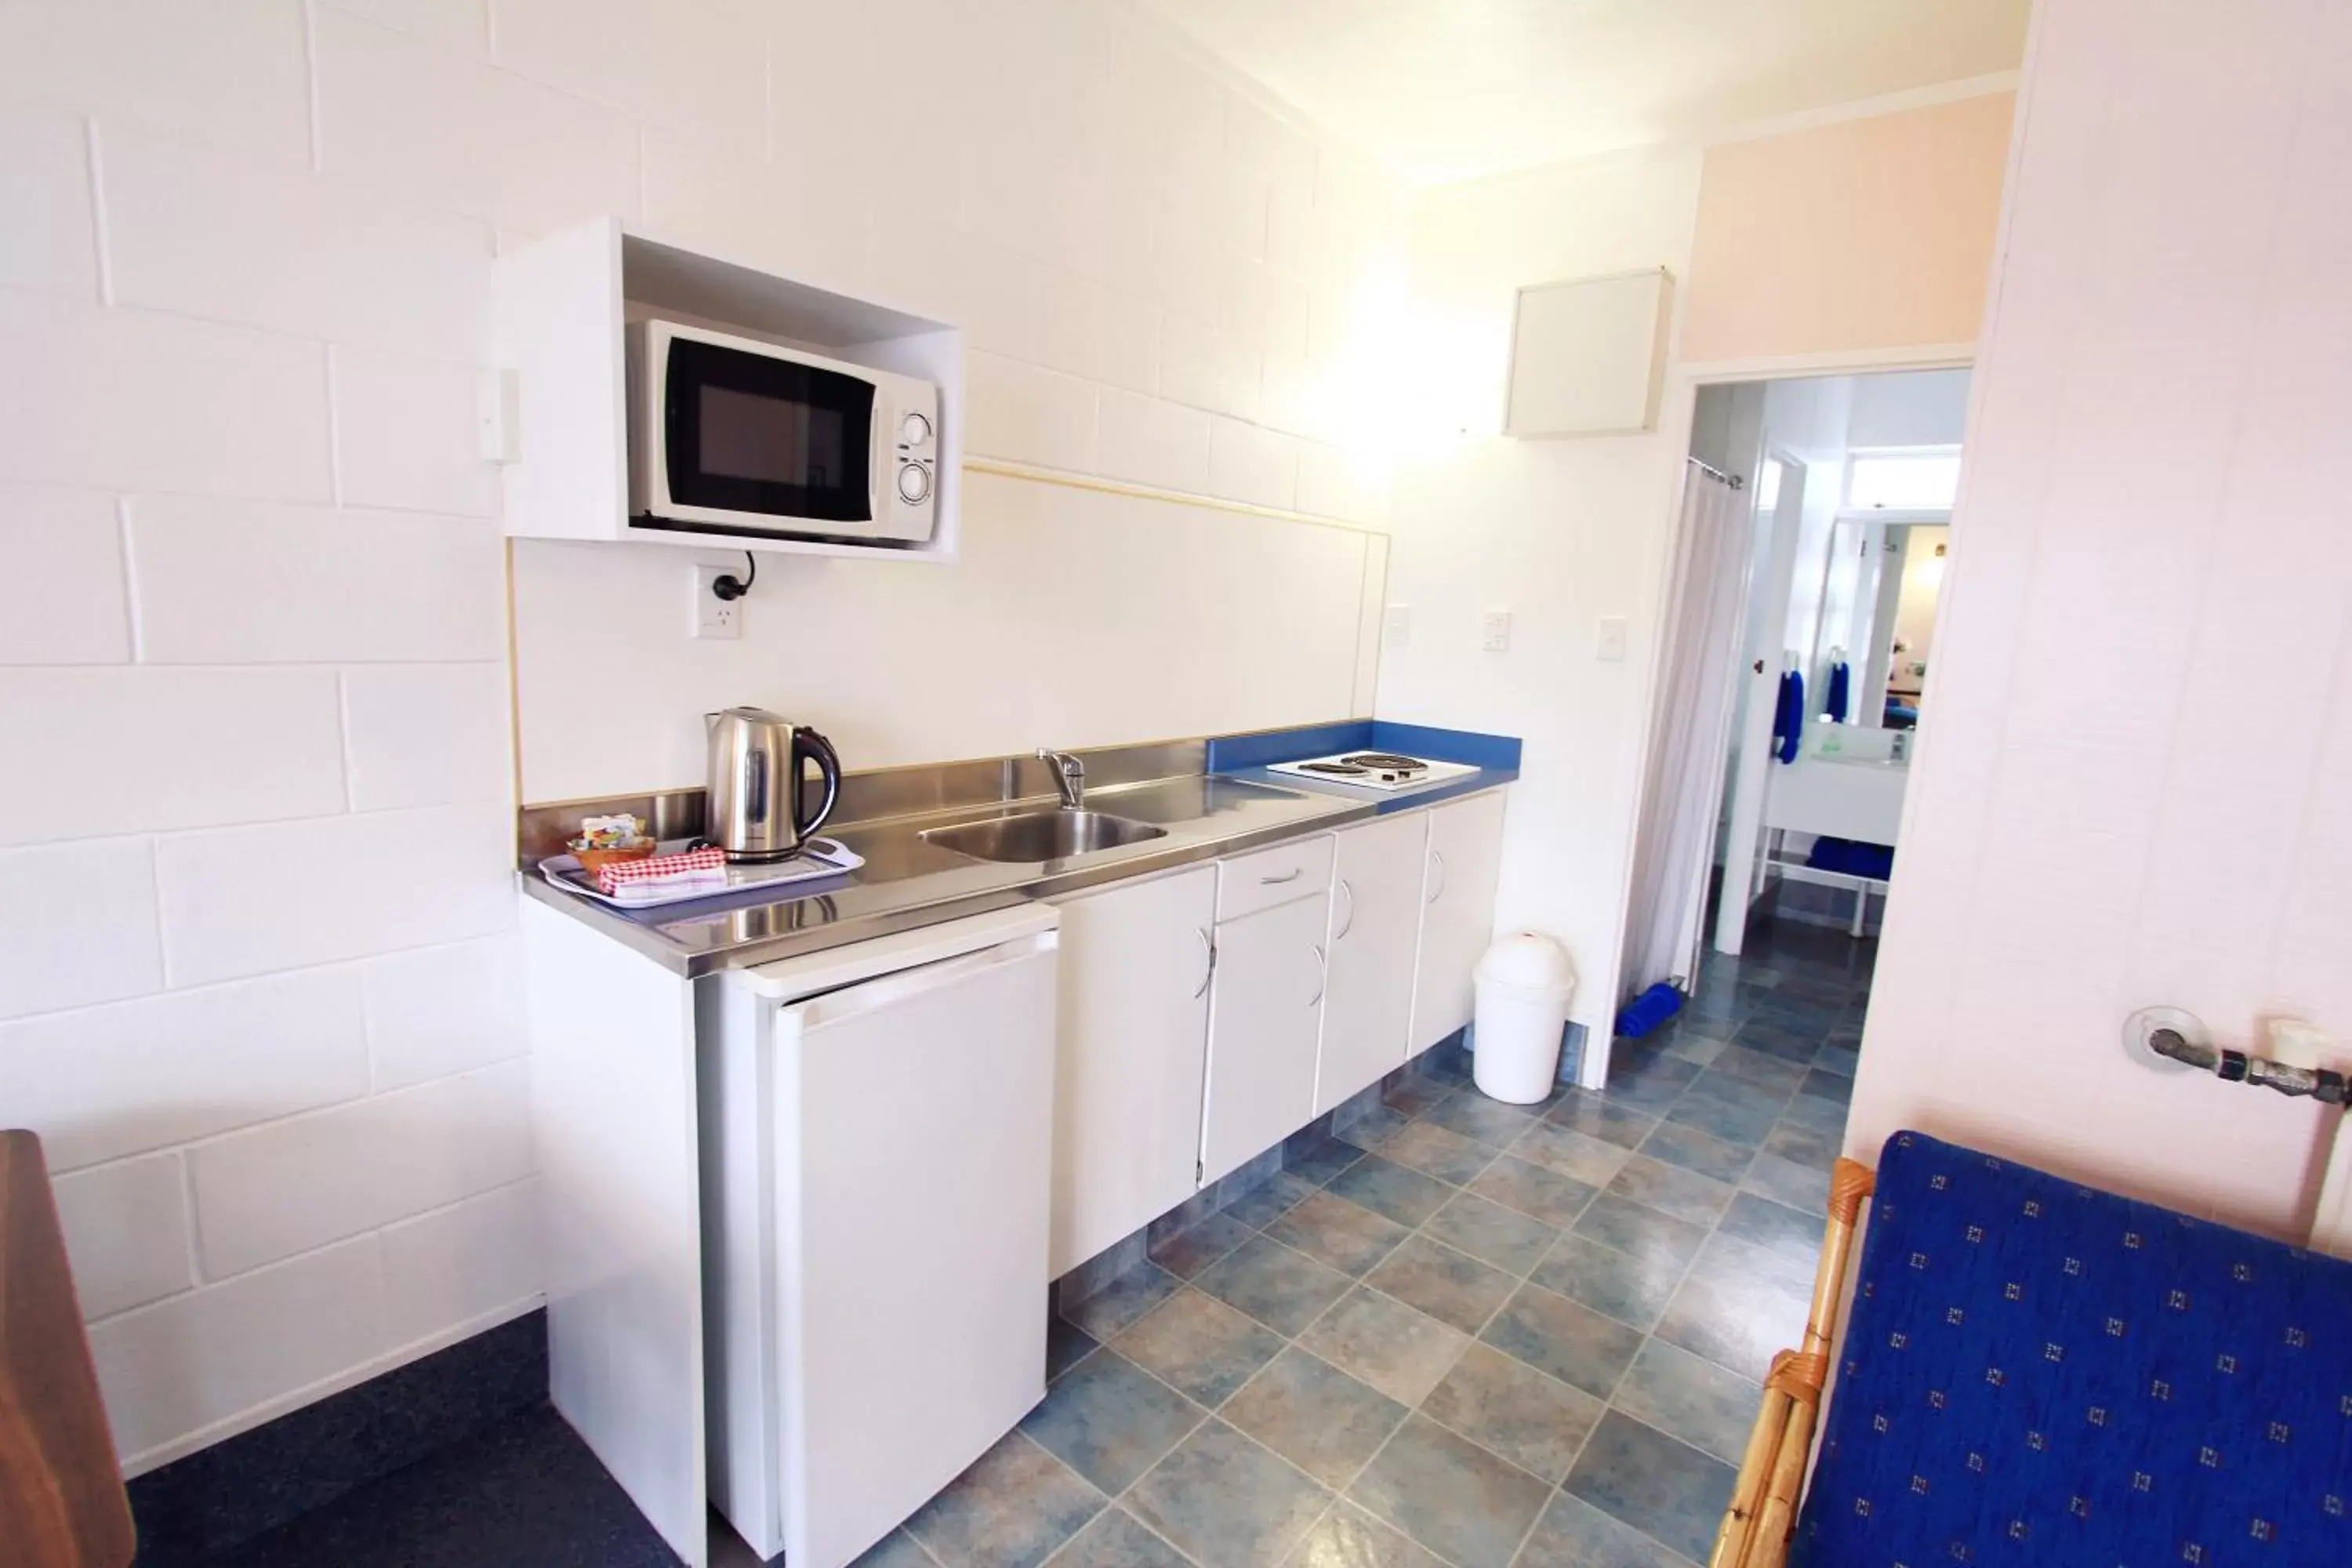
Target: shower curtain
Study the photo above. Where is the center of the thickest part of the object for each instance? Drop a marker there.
(1690, 735)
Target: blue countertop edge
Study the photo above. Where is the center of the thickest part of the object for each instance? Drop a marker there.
(1496, 758)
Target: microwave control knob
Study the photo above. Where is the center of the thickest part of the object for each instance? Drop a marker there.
(913, 430)
(914, 484)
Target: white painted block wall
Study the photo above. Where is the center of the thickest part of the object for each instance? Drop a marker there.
(1560, 532)
(1162, 283)
(2155, 488)
(256, 987)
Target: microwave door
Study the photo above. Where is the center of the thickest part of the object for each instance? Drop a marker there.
(877, 455)
(751, 434)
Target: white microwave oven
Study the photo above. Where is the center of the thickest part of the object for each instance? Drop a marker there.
(745, 440)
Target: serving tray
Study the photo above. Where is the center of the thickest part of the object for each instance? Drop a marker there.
(823, 858)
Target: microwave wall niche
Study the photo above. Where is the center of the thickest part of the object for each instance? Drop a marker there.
(736, 437)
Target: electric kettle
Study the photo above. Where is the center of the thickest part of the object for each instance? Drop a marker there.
(753, 808)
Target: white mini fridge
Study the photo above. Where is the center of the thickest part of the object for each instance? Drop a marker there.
(877, 1147)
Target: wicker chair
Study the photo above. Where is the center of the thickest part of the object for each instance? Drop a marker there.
(1763, 1513)
(2039, 1373)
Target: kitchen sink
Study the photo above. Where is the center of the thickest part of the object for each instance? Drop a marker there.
(1042, 836)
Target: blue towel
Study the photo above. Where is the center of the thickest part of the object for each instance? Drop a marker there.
(1788, 717)
(1835, 707)
(1647, 1011)
(1852, 859)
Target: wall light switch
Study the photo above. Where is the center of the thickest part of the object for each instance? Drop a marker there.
(1611, 647)
(498, 416)
(715, 617)
(1396, 627)
(1495, 631)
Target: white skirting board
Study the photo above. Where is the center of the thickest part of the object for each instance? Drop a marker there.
(613, 1073)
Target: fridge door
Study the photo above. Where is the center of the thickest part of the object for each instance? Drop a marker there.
(913, 1126)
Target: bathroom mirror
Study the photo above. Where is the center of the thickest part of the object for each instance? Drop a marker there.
(1877, 621)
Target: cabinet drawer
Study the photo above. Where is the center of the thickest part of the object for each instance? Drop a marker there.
(1247, 883)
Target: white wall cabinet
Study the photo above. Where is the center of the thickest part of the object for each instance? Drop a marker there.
(1128, 1057)
(560, 306)
(1458, 916)
(1375, 932)
(1266, 1021)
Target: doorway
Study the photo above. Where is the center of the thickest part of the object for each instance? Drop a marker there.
(1845, 486)
(1854, 479)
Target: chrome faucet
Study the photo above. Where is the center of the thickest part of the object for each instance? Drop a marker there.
(1069, 777)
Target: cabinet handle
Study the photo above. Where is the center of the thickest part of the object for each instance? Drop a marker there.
(1317, 1000)
(1208, 958)
(1292, 876)
(1349, 923)
(1437, 861)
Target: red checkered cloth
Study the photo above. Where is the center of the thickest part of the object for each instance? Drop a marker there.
(693, 865)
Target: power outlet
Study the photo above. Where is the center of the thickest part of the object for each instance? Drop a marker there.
(715, 618)
(1495, 631)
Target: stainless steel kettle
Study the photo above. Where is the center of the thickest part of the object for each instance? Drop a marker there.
(753, 810)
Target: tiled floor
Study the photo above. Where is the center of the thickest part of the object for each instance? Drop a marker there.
(1473, 1334)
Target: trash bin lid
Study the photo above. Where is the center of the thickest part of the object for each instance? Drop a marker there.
(1529, 961)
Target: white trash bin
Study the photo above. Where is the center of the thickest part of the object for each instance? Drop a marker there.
(1524, 984)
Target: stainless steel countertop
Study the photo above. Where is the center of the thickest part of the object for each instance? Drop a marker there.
(908, 883)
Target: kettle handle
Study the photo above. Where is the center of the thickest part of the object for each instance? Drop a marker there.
(808, 743)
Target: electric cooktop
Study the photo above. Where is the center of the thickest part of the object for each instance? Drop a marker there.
(1371, 770)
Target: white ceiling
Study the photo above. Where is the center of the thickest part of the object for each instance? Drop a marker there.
(1448, 90)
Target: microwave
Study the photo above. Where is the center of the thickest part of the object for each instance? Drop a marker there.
(733, 436)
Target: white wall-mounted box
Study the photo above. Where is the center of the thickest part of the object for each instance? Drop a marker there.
(1589, 354)
(563, 304)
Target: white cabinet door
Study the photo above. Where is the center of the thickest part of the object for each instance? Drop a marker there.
(1375, 923)
(910, 1152)
(1265, 1020)
(1458, 916)
(1129, 1058)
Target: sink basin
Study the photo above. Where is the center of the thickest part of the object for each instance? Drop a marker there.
(1042, 836)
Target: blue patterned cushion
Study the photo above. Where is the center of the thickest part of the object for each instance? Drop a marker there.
(2039, 1374)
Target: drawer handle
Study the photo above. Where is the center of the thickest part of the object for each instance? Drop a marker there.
(1437, 863)
(1317, 1000)
(1290, 876)
(1349, 923)
(1208, 958)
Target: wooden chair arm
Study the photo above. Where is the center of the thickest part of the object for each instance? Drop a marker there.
(1765, 1499)
(61, 1499)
